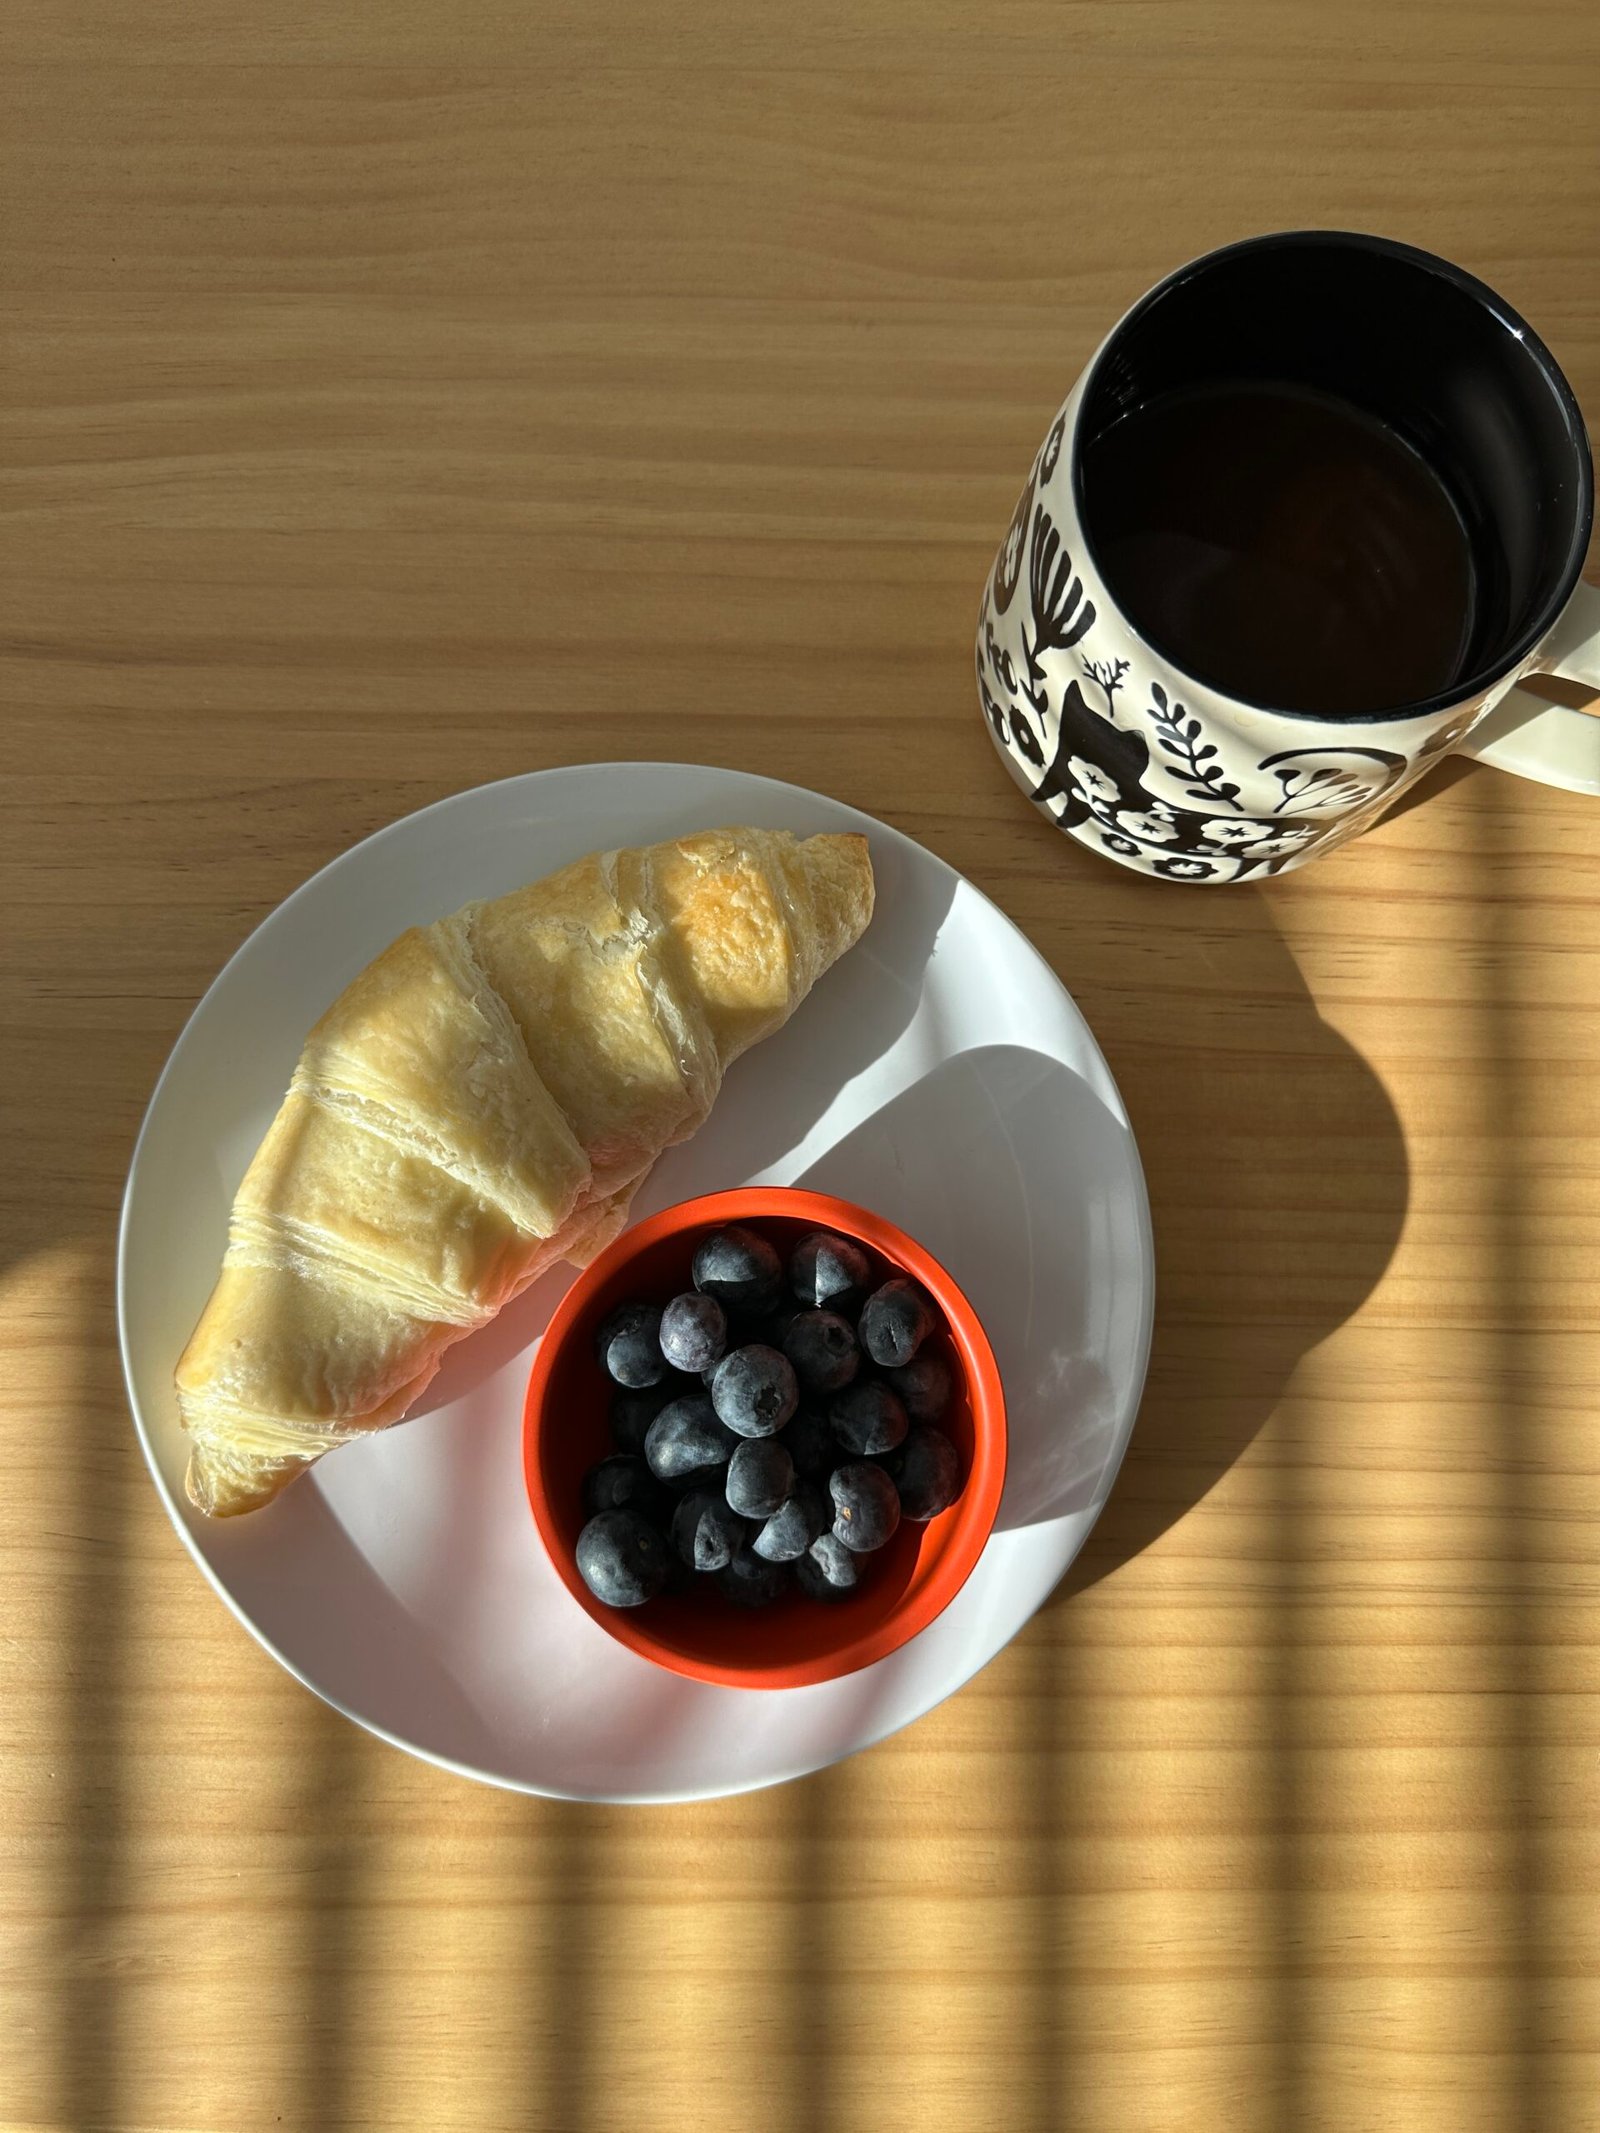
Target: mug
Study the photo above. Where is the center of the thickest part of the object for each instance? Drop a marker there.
(1138, 759)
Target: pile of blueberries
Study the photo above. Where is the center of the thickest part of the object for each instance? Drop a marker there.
(773, 1425)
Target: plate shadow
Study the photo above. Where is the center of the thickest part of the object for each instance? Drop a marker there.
(1240, 1093)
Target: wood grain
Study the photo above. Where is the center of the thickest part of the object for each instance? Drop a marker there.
(399, 397)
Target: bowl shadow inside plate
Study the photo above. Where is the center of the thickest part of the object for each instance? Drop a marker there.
(1054, 1268)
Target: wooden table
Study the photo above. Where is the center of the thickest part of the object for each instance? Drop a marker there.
(402, 396)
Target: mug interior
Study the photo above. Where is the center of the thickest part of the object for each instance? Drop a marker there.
(1425, 348)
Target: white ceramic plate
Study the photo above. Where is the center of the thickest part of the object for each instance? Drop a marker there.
(939, 1074)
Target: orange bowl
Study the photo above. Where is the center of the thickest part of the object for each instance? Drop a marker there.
(795, 1641)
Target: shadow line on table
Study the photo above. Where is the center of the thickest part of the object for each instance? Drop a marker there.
(562, 1959)
(1532, 2028)
(1243, 1098)
(91, 2007)
(333, 2041)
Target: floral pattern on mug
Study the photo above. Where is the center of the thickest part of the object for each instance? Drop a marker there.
(1091, 782)
(1153, 827)
(1276, 838)
(1186, 869)
(1259, 836)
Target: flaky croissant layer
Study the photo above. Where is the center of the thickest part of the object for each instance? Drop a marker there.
(482, 1101)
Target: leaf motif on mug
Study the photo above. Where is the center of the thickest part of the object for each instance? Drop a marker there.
(1325, 777)
(1061, 615)
(1107, 676)
(1180, 736)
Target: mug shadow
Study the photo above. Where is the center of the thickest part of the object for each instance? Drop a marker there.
(1440, 779)
(1238, 1091)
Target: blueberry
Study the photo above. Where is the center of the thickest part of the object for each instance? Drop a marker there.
(754, 1391)
(622, 1482)
(867, 1418)
(622, 1558)
(629, 1346)
(751, 1581)
(791, 1529)
(924, 1385)
(632, 1414)
(705, 1533)
(828, 1570)
(866, 1509)
(927, 1473)
(694, 1332)
(895, 1321)
(745, 1330)
(760, 1477)
(738, 1267)
(823, 1350)
(827, 1271)
(809, 1442)
(686, 1438)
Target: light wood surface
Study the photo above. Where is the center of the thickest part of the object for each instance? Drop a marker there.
(401, 396)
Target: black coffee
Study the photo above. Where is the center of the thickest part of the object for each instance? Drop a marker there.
(1282, 546)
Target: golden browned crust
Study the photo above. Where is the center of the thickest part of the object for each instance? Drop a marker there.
(480, 1102)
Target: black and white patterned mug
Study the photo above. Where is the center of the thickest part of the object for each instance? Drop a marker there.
(1177, 776)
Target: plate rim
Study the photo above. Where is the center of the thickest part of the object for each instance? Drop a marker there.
(684, 1794)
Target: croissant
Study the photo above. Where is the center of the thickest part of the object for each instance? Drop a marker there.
(481, 1102)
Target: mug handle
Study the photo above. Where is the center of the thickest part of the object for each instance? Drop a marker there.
(1552, 743)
